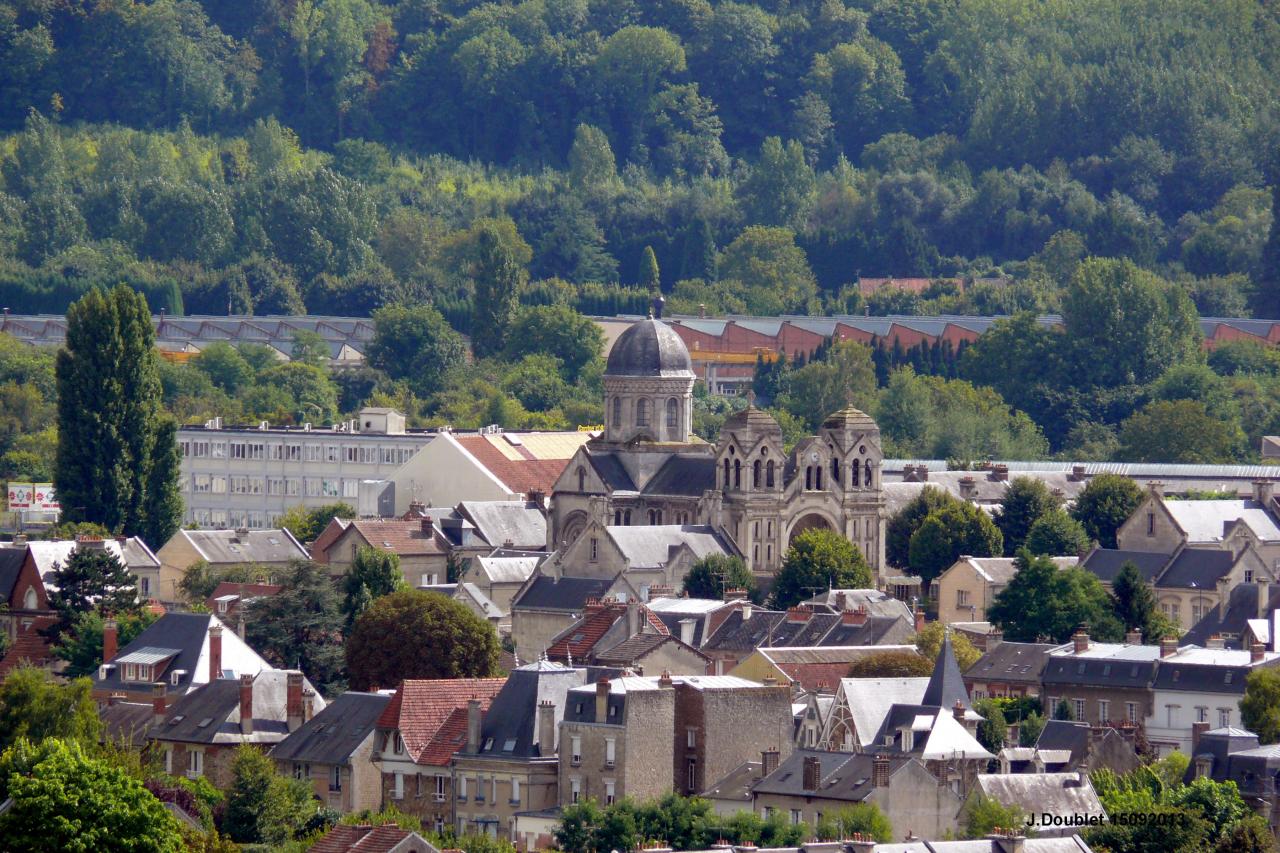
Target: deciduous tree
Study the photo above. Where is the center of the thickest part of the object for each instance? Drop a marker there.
(1104, 504)
(1026, 499)
(819, 559)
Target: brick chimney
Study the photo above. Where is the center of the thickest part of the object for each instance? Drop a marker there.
(1197, 729)
(664, 680)
(768, 761)
(1133, 638)
(1080, 639)
(880, 771)
(994, 638)
(546, 727)
(215, 651)
(957, 711)
(427, 525)
(1007, 840)
(1263, 491)
(854, 617)
(1168, 646)
(812, 772)
(966, 486)
(110, 640)
(159, 702)
(1257, 652)
(293, 699)
(736, 593)
(1000, 473)
(799, 614)
(602, 700)
(919, 617)
(246, 704)
(1215, 642)
(473, 725)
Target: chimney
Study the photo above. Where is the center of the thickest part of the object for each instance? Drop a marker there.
(736, 593)
(293, 699)
(919, 617)
(746, 610)
(602, 700)
(664, 680)
(537, 498)
(633, 617)
(1168, 646)
(546, 727)
(1156, 488)
(1264, 596)
(1081, 639)
(246, 704)
(812, 773)
(860, 842)
(880, 771)
(1257, 652)
(966, 486)
(1077, 473)
(994, 638)
(473, 725)
(798, 614)
(1197, 729)
(768, 761)
(1133, 638)
(1215, 642)
(842, 601)
(686, 631)
(215, 650)
(309, 704)
(1000, 473)
(110, 641)
(854, 617)
(116, 698)
(957, 711)
(427, 525)
(242, 533)
(158, 702)
(1006, 840)
(1263, 491)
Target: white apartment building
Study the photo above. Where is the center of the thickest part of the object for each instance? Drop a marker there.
(246, 476)
(1200, 686)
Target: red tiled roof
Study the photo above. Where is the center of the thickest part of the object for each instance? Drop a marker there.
(580, 638)
(29, 647)
(812, 675)
(520, 475)
(400, 536)
(423, 711)
(869, 286)
(335, 528)
(361, 839)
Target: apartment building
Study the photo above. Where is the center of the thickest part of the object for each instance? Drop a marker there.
(247, 476)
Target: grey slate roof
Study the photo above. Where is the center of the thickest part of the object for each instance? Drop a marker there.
(649, 348)
(183, 631)
(1198, 678)
(1014, 662)
(844, 776)
(737, 784)
(11, 560)
(512, 716)
(255, 546)
(211, 713)
(331, 736)
(1242, 605)
(946, 685)
(683, 474)
(1105, 563)
(501, 521)
(611, 471)
(1067, 735)
(1196, 566)
(569, 594)
(1206, 521)
(649, 546)
(637, 647)
(1102, 671)
(1036, 793)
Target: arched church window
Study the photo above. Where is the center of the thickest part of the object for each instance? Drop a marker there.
(817, 477)
(673, 413)
(856, 470)
(726, 473)
(867, 479)
(617, 411)
(835, 471)
(31, 600)
(768, 474)
(626, 517)
(755, 474)
(737, 473)
(808, 477)
(642, 412)
(582, 479)
(617, 518)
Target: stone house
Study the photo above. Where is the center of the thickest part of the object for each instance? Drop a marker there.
(423, 552)
(509, 762)
(417, 734)
(1164, 526)
(500, 576)
(1232, 754)
(222, 549)
(1007, 669)
(229, 598)
(860, 708)
(970, 585)
(1065, 746)
(198, 734)
(137, 558)
(333, 752)
(616, 635)
(813, 784)
(1200, 686)
(1103, 682)
(548, 604)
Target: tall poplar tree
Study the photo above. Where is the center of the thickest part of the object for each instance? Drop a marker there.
(649, 278)
(116, 463)
(498, 275)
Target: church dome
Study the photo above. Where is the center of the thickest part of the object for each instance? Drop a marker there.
(852, 419)
(649, 348)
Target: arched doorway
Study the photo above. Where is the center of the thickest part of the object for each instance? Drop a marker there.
(811, 521)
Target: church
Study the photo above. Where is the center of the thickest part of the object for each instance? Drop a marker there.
(648, 468)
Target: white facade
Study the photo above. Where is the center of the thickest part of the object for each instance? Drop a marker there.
(248, 477)
(1207, 689)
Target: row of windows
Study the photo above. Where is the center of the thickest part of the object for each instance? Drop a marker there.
(1079, 708)
(358, 454)
(312, 487)
(220, 519)
(576, 791)
(1202, 715)
(643, 412)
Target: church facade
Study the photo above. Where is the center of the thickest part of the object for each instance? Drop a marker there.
(648, 468)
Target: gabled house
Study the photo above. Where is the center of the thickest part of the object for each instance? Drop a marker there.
(423, 552)
(810, 712)
(26, 610)
(1067, 746)
(1007, 669)
(426, 722)
(509, 762)
(629, 636)
(182, 650)
(333, 752)
(970, 585)
(1231, 754)
(1202, 686)
(131, 551)
(1164, 526)
(510, 525)
(1053, 801)
(222, 549)
(1103, 682)
(547, 604)
(500, 575)
(229, 598)
(860, 708)
(200, 732)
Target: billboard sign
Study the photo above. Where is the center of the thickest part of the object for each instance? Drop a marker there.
(21, 495)
(45, 499)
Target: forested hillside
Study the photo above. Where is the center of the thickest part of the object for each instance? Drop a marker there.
(337, 155)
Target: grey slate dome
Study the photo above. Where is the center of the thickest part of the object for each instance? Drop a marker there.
(649, 348)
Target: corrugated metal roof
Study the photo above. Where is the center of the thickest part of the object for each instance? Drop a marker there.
(147, 655)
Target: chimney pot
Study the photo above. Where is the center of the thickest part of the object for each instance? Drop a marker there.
(919, 617)
(246, 704)
(473, 725)
(602, 700)
(880, 771)
(1081, 639)
(1168, 646)
(664, 680)
(854, 617)
(957, 711)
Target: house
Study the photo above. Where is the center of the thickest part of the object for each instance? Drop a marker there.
(229, 599)
(810, 712)
(1007, 669)
(1059, 804)
(333, 752)
(331, 531)
(1203, 686)
(647, 653)
(1103, 682)
(807, 667)
(423, 552)
(425, 723)
(631, 636)
(184, 650)
(222, 549)
(967, 589)
(1066, 746)
(861, 706)
(641, 737)
(199, 733)
(500, 575)
(131, 551)
(474, 599)
(509, 762)
(510, 525)
(364, 838)
(812, 783)
(26, 610)
(1231, 754)
(1164, 526)
(1245, 615)
(548, 604)
(492, 465)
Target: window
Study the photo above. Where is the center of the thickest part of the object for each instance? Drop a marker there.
(144, 587)
(608, 792)
(737, 473)
(301, 771)
(350, 488)
(313, 453)
(351, 453)
(195, 764)
(617, 411)
(1079, 709)
(755, 474)
(1169, 713)
(439, 792)
(1131, 711)
(218, 450)
(1104, 710)
(575, 754)
(595, 549)
(768, 474)
(1151, 524)
(201, 483)
(397, 792)
(291, 486)
(462, 789)
(329, 488)
(1202, 714)
(610, 751)
(369, 455)
(168, 760)
(642, 412)
(218, 485)
(962, 598)
(575, 789)
(692, 775)
(1224, 717)
(1173, 611)
(1248, 575)
(335, 778)
(515, 791)
(397, 743)
(673, 413)
(275, 485)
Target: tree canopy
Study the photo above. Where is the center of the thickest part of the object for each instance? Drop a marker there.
(818, 559)
(1046, 604)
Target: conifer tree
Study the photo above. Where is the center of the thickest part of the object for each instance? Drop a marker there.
(649, 278)
(498, 279)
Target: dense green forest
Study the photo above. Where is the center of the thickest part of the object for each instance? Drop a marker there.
(338, 155)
